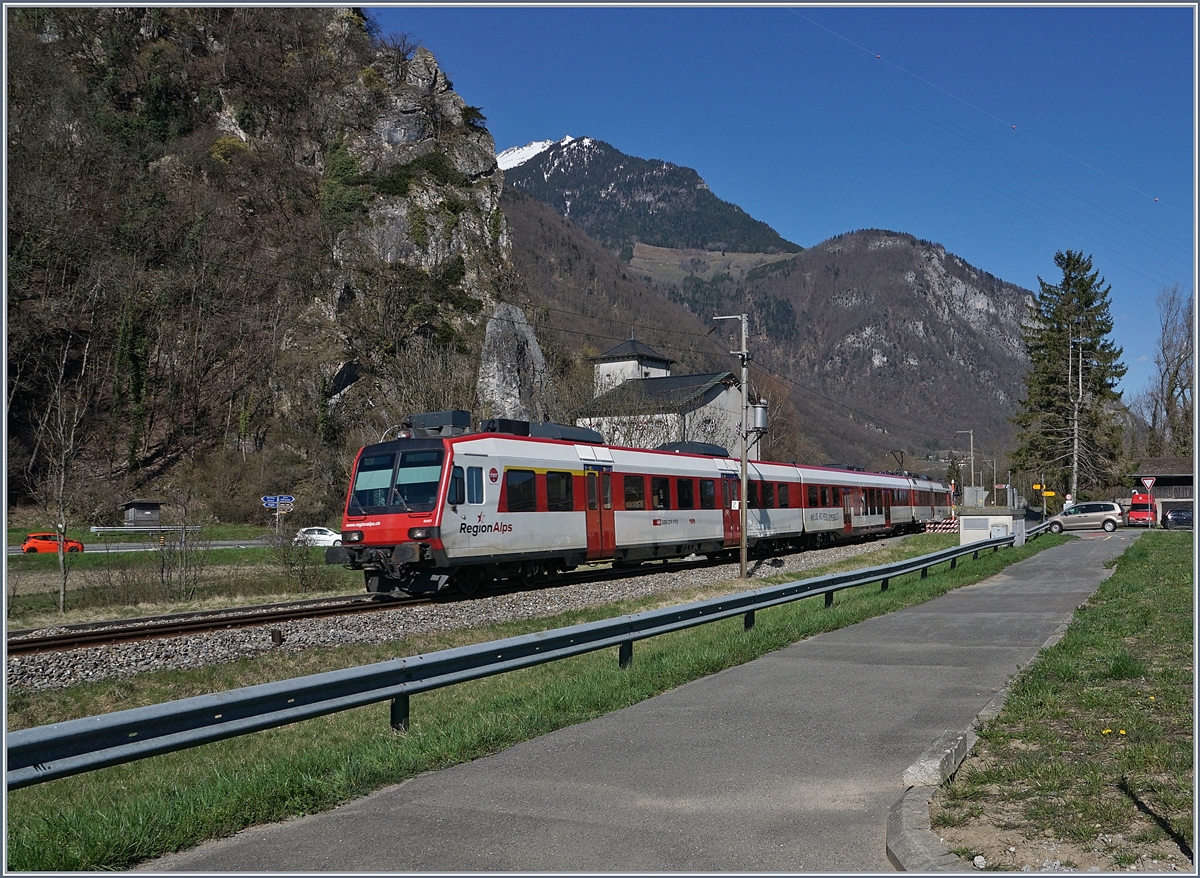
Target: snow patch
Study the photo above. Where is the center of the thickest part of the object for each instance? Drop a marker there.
(519, 155)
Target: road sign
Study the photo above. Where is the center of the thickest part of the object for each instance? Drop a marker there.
(1037, 487)
(286, 498)
(270, 501)
(1048, 493)
(1001, 487)
(1148, 481)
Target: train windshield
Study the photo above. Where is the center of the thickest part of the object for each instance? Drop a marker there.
(406, 481)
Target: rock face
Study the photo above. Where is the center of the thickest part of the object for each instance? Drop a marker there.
(436, 179)
(514, 381)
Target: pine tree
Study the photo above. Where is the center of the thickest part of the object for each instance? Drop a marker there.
(1069, 434)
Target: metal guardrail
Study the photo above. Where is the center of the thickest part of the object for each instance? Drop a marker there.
(75, 746)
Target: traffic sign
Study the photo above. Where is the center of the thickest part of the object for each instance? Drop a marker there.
(286, 498)
(270, 501)
(1048, 493)
(1148, 481)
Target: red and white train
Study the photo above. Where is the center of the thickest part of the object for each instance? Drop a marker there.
(443, 507)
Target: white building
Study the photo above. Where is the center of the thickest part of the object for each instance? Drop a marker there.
(640, 404)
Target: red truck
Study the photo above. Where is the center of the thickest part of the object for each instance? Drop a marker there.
(1142, 511)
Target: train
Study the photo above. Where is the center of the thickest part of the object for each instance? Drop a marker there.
(444, 507)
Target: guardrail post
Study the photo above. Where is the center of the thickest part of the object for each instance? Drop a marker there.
(625, 655)
(748, 621)
(924, 572)
(883, 585)
(953, 563)
(400, 713)
(975, 555)
(828, 599)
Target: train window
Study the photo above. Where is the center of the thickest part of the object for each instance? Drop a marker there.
(660, 492)
(752, 495)
(519, 484)
(768, 495)
(558, 492)
(635, 492)
(592, 500)
(685, 493)
(458, 487)
(837, 496)
(372, 481)
(416, 483)
(783, 497)
(812, 495)
(475, 484)
(824, 495)
(708, 494)
(607, 480)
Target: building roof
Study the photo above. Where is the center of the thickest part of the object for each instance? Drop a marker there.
(632, 350)
(1164, 466)
(671, 393)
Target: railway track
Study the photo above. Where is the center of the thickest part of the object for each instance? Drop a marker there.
(100, 633)
(68, 637)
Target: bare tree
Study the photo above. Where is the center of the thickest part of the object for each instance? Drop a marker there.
(1167, 401)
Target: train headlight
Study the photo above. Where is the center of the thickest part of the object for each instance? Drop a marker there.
(424, 533)
(352, 536)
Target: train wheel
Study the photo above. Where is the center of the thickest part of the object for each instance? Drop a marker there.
(469, 581)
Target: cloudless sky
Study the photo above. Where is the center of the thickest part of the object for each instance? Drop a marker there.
(1004, 134)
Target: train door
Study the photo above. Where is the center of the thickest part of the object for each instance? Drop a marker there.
(850, 500)
(731, 516)
(887, 506)
(601, 530)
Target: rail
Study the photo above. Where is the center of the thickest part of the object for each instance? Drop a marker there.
(76, 746)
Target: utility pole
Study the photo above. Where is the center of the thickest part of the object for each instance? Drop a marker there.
(744, 431)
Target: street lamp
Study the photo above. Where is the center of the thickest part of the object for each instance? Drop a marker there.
(971, 433)
(744, 356)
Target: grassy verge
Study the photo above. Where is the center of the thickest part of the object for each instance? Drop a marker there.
(1094, 744)
(113, 818)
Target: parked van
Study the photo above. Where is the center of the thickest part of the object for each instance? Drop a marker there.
(1142, 511)
(1083, 516)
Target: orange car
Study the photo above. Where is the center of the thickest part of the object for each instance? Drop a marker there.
(48, 542)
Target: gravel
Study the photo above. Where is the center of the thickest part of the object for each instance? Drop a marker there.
(122, 660)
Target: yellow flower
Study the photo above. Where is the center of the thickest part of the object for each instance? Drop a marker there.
(1106, 732)
(1121, 732)
(1151, 697)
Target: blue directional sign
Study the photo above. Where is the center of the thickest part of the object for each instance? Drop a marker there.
(286, 498)
(271, 501)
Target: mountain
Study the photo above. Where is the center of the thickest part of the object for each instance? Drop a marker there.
(620, 200)
(910, 337)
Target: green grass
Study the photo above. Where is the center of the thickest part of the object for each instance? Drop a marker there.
(1096, 735)
(116, 817)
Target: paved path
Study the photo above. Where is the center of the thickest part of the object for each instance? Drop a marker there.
(788, 763)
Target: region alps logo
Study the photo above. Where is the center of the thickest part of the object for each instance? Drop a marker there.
(481, 527)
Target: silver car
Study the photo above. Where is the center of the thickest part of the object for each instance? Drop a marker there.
(1088, 516)
(317, 536)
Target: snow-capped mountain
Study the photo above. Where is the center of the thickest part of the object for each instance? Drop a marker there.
(620, 199)
(518, 155)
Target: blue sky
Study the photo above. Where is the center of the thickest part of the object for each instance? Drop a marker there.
(823, 120)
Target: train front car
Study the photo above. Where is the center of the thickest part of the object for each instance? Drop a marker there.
(391, 526)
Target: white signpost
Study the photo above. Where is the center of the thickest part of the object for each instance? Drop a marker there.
(281, 503)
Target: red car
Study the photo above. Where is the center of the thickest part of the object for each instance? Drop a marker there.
(48, 542)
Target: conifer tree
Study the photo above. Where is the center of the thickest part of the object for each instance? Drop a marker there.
(1069, 431)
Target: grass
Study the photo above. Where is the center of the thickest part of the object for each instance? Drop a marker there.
(116, 817)
(1096, 735)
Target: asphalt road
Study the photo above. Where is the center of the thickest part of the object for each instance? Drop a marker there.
(788, 763)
